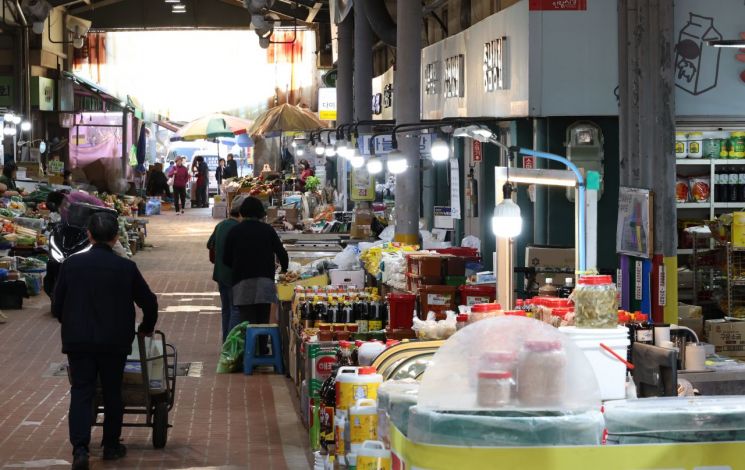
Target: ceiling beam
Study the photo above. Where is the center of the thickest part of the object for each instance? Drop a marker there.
(93, 6)
(314, 12)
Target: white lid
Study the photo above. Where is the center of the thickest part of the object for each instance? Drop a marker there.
(549, 280)
(694, 135)
(569, 281)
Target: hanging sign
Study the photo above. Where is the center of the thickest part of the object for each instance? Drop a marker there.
(327, 104)
(529, 162)
(454, 189)
(558, 5)
(476, 151)
(455, 85)
(55, 167)
(443, 218)
(362, 185)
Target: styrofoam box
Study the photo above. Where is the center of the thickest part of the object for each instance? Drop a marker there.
(609, 371)
(219, 212)
(347, 278)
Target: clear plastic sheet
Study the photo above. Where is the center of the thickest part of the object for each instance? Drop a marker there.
(505, 428)
(452, 383)
(395, 398)
(676, 419)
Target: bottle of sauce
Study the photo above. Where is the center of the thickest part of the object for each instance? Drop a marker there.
(720, 185)
(320, 308)
(332, 313)
(741, 184)
(733, 177)
(375, 315)
(548, 289)
(566, 290)
(361, 316)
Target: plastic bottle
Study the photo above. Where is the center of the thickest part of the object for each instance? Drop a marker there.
(361, 317)
(733, 177)
(548, 289)
(519, 304)
(375, 315)
(720, 185)
(332, 312)
(566, 290)
(327, 396)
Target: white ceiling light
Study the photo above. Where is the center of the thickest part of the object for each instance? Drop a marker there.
(320, 149)
(397, 162)
(299, 151)
(25, 126)
(330, 152)
(16, 120)
(507, 221)
(374, 166)
(8, 117)
(440, 150)
(357, 161)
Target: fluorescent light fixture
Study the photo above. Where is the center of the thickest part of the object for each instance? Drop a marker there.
(320, 149)
(25, 126)
(6, 130)
(173, 1)
(374, 165)
(482, 134)
(397, 162)
(357, 161)
(440, 150)
(178, 6)
(735, 43)
(330, 151)
(565, 178)
(507, 221)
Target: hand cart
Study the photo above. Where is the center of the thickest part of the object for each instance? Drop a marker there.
(149, 386)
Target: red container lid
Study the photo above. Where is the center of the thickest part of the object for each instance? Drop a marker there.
(561, 312)
(516, 313)
(479, 289)
(595, 280)
(641, 317)
(370, 370)
(358, 343)
(555, 302)
(495, 374)
(461, 318)
(481, 308)
(499, 356)
(543, 346)
(401, 297)
(391, 342)
(344, 344)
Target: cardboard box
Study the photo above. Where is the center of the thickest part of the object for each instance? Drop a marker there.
(727, 336)
(696, 324)
(561, 258)
(219, 212)
(347, 278)
(274, 213)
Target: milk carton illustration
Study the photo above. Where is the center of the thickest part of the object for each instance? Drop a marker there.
(697, 63)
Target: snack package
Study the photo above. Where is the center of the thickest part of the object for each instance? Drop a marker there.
(681, 189)
(700, 187)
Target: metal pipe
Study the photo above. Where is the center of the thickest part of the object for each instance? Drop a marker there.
(408, 81)
(344, 93)
(363, 67)
(381, 22)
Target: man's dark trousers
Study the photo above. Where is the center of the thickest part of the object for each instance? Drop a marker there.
(85, 369)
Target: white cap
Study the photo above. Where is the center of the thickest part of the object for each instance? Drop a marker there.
(568, 281)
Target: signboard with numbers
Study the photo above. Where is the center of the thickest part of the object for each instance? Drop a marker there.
(529, 162)
(477, 151)
(327, 104)
(362, 185)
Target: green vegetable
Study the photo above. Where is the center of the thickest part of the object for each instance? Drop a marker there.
(312, 183)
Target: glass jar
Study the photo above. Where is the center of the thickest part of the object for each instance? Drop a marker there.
(695, 145)
(595, 302)
(494, 388)
(681, 145)
(724, 144)
(541, 374)
(483, 311)
(712, 145)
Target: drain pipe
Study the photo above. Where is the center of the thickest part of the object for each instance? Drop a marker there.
(344, 94)
(380, 20)
(363, 67)
(26, 63)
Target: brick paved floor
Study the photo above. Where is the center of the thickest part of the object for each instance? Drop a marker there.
(219, 421)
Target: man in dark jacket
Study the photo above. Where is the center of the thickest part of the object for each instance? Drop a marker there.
(94, 300)
(231, 168)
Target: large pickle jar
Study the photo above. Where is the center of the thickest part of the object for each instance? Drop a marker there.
(595, 302)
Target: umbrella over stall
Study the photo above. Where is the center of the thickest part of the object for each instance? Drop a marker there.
(212, 127)
(285, 118)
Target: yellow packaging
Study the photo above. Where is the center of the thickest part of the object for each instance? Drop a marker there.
(373, 455)
(363, 422)
(355, 383)
(738, 229)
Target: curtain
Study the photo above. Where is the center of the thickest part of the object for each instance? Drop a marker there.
(90, 60)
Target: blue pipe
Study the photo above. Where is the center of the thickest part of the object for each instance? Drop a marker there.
(582, 210)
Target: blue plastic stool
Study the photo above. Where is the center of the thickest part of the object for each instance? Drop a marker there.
(250, 360)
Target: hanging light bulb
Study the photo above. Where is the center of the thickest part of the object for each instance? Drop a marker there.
(507, 221)
(397, 162)
(330, 151)
(6, 130)
(25, 126)
(8, 118)
(357, 161)
(440, 150)
(374, 166)
(299, 151)
(12, 131)
(16, 120)
(320, 149)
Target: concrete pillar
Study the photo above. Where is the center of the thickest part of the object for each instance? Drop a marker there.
(407, 110)
(363, 67)
(647, 123)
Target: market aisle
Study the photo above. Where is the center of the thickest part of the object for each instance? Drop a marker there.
(219, 421)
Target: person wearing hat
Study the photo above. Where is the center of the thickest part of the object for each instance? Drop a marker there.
(252, 249)
(221, 273)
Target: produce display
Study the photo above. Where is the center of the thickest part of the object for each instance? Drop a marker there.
(259, 186)
(372, 256)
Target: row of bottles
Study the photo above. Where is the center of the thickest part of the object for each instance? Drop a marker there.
(729, 184)
(369, 314)
(551, 290)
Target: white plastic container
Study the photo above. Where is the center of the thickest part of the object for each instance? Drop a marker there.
(372, 455)
(353, 383)
(368, 351)
(681, 145)
(695, 144)
(609, 371)
(340, 425)
(363, 423)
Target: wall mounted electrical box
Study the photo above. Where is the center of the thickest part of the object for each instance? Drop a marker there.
(585, 149)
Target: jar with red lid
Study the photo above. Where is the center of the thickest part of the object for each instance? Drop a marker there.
(483, 311)
(498, 360)
(541, 374)
(595, 302)
(494, 388)
(461, 321)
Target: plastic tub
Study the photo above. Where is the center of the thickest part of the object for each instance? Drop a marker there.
(483, 311)
(363, 422)
(353, 383)
(609, 371)
(478, 294)
(401, 311)
(395, 398)
(34, 280)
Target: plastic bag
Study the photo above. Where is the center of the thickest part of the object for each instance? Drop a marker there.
(231, 356)
(432, 329)
(388, 234)
(347, 258)
(471, 242)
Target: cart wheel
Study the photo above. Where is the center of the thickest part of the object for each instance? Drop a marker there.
(160, 425)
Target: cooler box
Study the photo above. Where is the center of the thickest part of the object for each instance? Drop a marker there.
(478, 294)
